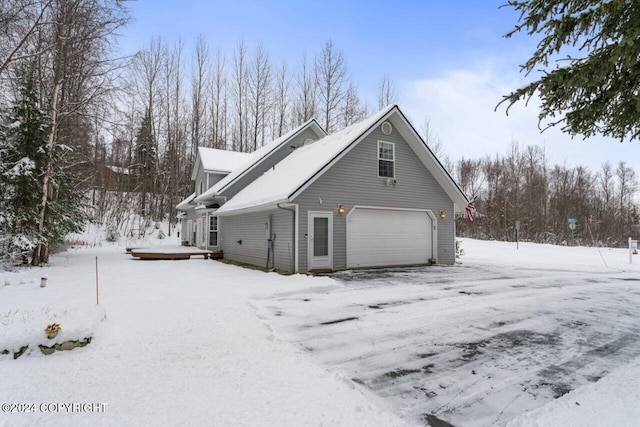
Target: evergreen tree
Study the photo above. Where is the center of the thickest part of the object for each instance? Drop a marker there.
(23, 158)
(595, 44)
(145, 161)
(21, 172)
(67, 209)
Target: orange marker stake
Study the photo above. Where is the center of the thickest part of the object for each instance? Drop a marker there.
(97, 287)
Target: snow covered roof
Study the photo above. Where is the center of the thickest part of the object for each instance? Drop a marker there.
(298, 170)
(186, 203)
(118, 169)
(257, 157)
(214, 160)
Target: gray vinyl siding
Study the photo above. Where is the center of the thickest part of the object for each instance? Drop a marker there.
(213, 179)
(353, 181)
(200, 177)
(184, 234)
(207, 179)
(250, 229)
(272, 159)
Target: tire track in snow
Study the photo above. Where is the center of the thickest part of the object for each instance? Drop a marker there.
(479, 357)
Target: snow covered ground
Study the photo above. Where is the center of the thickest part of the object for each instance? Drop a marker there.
(492, 341)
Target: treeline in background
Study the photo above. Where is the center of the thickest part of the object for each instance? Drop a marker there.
(87, 133)
(522, 185)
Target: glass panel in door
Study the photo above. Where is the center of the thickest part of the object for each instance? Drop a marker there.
(320, 236)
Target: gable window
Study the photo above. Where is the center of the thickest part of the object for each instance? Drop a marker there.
(213, 231)
(386, 159)
(201, 187)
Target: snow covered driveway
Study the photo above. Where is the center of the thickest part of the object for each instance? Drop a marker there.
(475, 344)
(198, 342)
(179, 346)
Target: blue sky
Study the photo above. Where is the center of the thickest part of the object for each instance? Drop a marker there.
(448, 59)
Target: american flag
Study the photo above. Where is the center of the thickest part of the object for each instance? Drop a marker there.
(471, 208)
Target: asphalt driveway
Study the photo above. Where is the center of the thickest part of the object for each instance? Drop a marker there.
(467, 345)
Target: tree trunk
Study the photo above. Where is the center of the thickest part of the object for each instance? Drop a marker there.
(41, 251)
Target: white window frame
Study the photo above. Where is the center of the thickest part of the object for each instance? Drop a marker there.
(214, 231)
(393, 160)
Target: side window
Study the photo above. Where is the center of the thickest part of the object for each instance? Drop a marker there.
(386, 159)
(213, 231)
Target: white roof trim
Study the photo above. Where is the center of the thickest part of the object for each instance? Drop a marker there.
(256, 208)
(186, 203)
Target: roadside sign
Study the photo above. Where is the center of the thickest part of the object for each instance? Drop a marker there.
(633, 249)
(572, 226)
(517, 224)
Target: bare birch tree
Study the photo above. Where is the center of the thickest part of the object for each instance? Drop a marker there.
(20, 21)
(387, 93)
(217, 93)
(147, 68)
(330, 78)
(175, 152)
(149, 64)
(352, 110)
(200, 73)
(305, 103)
(78, 68)
(280, 101)
(239, 96)
(627, 187)
(259, 99)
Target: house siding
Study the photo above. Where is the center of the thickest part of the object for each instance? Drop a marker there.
(213, 179)
(208, 180)
(250, 229)
(199, 220)
(274, 158)
(353, 181)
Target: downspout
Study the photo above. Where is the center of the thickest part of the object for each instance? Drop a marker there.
(220, 228)
(293, 237)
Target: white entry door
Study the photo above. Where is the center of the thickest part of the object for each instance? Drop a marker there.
(320, 240)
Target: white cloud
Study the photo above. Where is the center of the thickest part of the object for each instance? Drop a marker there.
(461, 107)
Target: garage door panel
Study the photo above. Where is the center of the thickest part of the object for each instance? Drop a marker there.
(386, 237)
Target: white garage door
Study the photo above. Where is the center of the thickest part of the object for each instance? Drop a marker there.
(386, 237)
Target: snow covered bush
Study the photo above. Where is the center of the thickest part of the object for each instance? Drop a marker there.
(459, 250)
(113, 234)
(161, 234)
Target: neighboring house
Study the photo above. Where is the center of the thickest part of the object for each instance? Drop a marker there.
(200, 223)
(370, 195)
(109, 177)
(210, 167)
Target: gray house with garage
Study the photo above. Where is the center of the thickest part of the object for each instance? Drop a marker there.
(370, 195)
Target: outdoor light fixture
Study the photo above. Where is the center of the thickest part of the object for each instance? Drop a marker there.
(340, 209)
(443, 214)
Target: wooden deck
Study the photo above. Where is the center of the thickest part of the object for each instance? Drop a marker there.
(170, 252)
